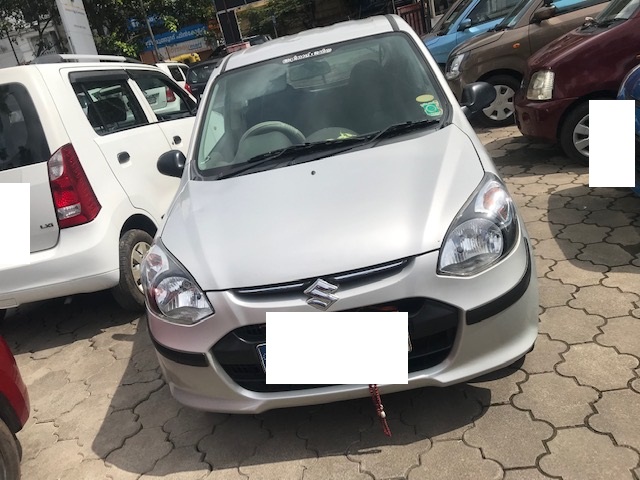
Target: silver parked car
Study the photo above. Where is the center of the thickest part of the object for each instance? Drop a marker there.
(338, 155)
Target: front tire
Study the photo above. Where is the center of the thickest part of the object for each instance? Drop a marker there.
(9, 454)
(574, 134)
(134, 245)
(501, 112)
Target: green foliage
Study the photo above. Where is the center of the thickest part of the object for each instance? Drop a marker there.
(291, 16)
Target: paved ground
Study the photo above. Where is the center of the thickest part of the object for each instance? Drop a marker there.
(570, 410)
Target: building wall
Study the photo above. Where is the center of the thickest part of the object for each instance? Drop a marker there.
(25, 47)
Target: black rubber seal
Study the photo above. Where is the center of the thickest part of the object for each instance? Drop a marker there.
(393, 23)
(176, 356)
(494, 307)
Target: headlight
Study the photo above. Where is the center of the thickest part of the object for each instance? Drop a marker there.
(482, 233)
(541, 85)
(453, 67)
(170, 291)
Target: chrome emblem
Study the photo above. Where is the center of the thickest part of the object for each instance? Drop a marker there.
(321, 294)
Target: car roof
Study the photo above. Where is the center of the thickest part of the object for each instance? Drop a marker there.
(45, 68)
(313, 39)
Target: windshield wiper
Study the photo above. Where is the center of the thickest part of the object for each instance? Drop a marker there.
(400, 128)
(264, 158)
(608, 22)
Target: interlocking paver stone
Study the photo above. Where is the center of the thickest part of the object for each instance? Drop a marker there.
(628, 203)
(543, 266)
(597, 366)
(184, 463)
(580, 454)
(569, 324)
(584, 233)
(93, 470)
(589, 202)
(559, 178)
(115, 429)
(544, 356)
(49, 406)
(442, 413)
(629, 235)
(82, 423)
(554, 293)
(283, 456)
(501, 386)
(542, 230)
(36, 437)
(557, 249)
(233, 441)
(605, 254)
(436, 464)
(540, 394)
(607, 302)
(618, 414)
(525, 474)
(608, 218)
(625, 278)
(159, 408)
(130, 396)
(535, 189)
(622, 333)
(52, 461)
(385, 457)
(334, 468)
(154, 443)
(190, 426)
(509, 436)
(577, 272)
(567, 216)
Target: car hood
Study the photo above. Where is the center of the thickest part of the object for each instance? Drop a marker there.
(431, 39)
(476, 42)
(574, 43)
(341, 213)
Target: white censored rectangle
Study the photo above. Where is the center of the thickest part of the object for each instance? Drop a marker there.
(336, 348)
(14, 221)
(611, 137)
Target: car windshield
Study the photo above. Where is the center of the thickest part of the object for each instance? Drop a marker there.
(618, 10)
(329, 97)
(200, 73)
(514, 16)
(451, 16)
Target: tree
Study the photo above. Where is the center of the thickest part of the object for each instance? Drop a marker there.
(291, 16)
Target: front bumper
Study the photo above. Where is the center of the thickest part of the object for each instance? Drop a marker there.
(540, 119)
(474, 326)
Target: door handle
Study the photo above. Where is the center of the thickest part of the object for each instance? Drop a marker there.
(123, 157)
(177, 140)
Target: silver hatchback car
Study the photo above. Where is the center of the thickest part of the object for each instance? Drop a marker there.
(338, 155)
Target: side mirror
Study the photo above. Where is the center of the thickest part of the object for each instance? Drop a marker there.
(477, 96)
(543, 13)
(172, 163)
(464, 24)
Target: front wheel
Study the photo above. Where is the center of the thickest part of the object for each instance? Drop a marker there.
(574, 134)
(501, 112)
(9, 454)
(134, 245)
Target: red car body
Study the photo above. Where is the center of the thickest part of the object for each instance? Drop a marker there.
(14, 399)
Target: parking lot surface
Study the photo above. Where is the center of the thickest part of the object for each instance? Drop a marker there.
(569, 410)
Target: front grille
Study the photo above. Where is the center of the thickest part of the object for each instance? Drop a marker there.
(432, 326)
(345, 278)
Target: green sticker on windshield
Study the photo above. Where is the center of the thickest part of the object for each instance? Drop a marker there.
(345, 135)
(432, 109)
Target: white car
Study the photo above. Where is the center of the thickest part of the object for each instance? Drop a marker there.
(176, 70)
(86, 137)
(335, 171)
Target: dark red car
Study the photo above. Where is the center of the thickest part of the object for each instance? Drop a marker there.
(588, 63)
(14, 412)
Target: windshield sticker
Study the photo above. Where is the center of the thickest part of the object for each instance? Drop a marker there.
(425, 98)
(432, 109)
(345, 135)
(295, 58)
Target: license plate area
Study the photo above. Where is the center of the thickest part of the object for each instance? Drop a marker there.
(262, 352)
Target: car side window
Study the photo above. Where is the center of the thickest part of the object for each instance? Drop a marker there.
(22, 139)
(565, 6)
(176, 74)
(487, 10)
(167, 100)
(109, 104)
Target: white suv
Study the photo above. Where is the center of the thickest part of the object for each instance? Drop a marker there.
(176, 70)
(86, 136)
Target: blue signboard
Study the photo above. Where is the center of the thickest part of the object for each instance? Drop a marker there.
(134, 24)
(171, 38)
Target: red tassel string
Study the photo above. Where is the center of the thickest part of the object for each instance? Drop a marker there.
(377, 402)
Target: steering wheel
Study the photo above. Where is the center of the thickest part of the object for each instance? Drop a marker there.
(292, 133)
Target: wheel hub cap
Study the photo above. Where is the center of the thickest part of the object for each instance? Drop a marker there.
(138, 253)
(502, 107)
(581, 136)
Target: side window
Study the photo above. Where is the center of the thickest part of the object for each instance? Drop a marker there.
(22, 140)
(565, 6)
(109, 104)
(176, 74)
(167, 100)
(487, 10)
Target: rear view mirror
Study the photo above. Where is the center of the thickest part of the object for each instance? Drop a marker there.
(543, 13)
(464, 24)
(308, 70)
(172, 163)
(477, 96)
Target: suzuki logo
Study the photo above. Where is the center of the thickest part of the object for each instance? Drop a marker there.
(321, 294)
